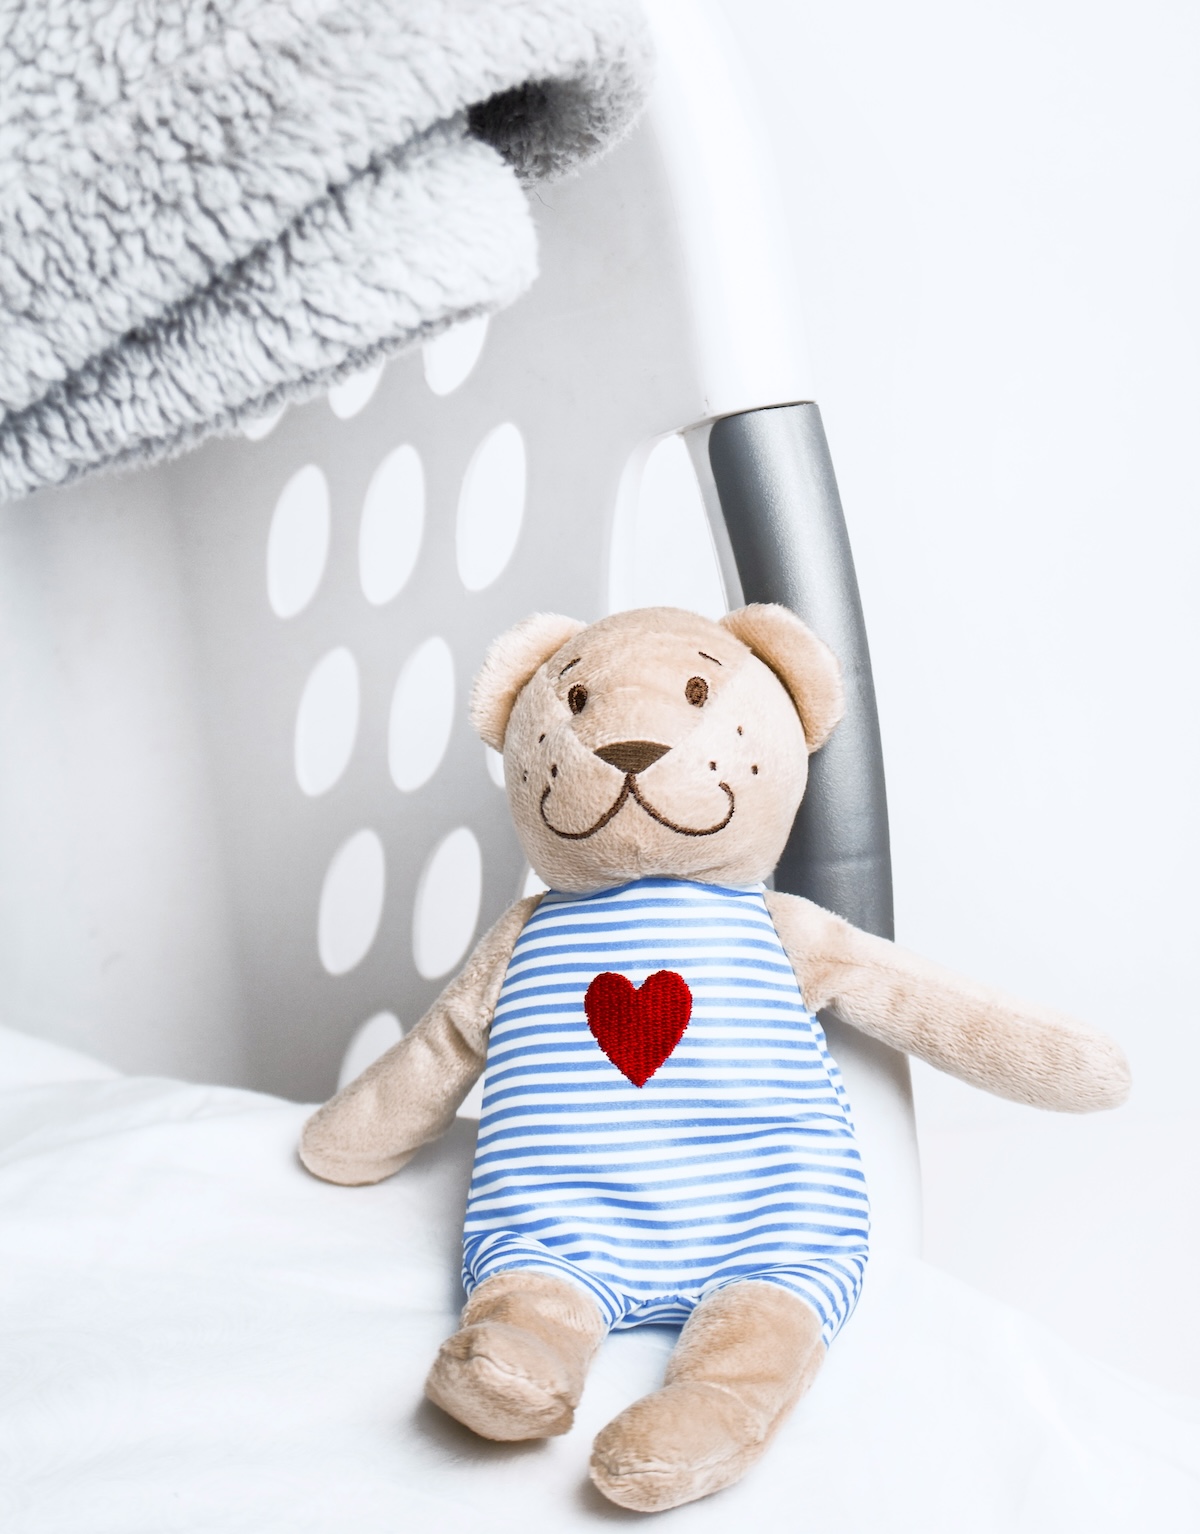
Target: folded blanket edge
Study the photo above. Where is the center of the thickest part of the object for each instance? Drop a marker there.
(597, 73)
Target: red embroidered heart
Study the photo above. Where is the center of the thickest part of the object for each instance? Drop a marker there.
(638, 1028)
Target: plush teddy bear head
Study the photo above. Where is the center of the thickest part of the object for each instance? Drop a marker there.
(656, 742)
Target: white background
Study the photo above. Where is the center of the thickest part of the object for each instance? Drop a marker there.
(994, 211)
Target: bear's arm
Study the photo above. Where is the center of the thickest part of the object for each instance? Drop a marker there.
(1014, 1049)
(411, 1094)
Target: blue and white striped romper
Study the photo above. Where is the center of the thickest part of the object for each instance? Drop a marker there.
(735, 1160)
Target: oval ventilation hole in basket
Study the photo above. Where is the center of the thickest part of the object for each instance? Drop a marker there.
(351, 902)
(354, 393)
(662, 552)
(447, 905)
(422, 715)
(371, 1039)
(260, 426)
(450, 360)
(327, 721)
(298, 543)
(393, 521)
(491, 505)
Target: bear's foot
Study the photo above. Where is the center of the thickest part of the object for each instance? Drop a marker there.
(682, 1442)
(515, 1368)
(744, 1358)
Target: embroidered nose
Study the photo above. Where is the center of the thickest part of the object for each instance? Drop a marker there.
(631, 755)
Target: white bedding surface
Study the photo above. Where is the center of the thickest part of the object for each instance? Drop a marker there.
(196, 1335)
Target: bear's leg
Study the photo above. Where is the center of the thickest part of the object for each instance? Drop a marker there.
(515, 1367)
(745, 1356)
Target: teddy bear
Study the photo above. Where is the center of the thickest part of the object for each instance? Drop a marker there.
(664, 1135)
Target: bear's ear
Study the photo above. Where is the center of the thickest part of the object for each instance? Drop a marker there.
(509, 663)
(806, 667)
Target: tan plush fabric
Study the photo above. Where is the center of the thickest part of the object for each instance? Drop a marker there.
(718, 802)
(1014, 1049)
(742, 1362)
(516, 1366)
(411, 1094)
(510, 661)
(802, 663)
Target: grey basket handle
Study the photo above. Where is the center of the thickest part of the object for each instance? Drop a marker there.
(779, 501)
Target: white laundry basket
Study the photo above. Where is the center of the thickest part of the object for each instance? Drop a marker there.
(242, 812)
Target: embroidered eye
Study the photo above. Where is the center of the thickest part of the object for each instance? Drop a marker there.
(576, 698)
(696, 691)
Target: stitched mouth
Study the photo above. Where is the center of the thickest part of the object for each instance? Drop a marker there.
(630, 790)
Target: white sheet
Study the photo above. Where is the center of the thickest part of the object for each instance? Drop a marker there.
(196, 1335)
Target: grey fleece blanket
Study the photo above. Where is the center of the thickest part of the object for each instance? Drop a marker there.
(208, 207)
